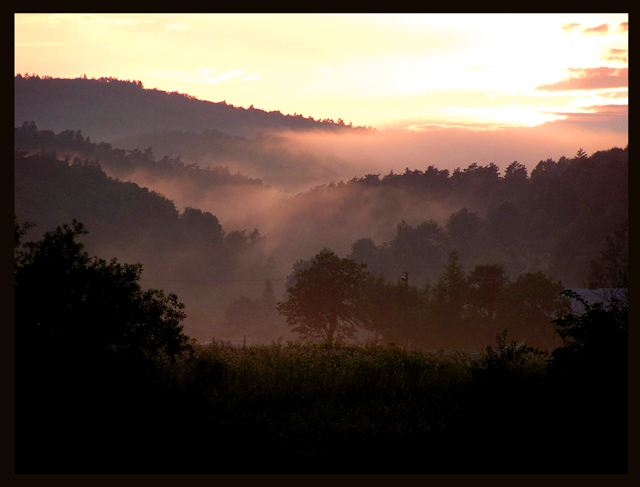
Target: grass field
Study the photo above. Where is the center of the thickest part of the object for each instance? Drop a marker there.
(297, 408)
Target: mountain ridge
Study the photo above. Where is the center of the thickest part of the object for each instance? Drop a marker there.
(109, 108)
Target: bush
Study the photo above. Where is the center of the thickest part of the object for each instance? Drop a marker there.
(595, 340)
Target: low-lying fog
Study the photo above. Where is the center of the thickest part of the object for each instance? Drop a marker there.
(299, 219)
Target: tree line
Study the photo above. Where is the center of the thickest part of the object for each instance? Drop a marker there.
(554, 220)
(330, 298)
(122, 163)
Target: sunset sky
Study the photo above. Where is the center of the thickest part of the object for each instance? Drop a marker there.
(390, 71)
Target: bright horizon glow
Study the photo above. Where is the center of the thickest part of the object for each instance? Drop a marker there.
(389, 71)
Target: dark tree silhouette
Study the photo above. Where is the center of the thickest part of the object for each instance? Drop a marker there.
(596, 337)
(92, 351)
(516, 172)
(327, 299)
(66, 300)
(591, 375)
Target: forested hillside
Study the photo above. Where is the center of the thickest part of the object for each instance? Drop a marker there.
(270, 156)
(524, 221)
(109, 108)
(171, 216)
(135, 224)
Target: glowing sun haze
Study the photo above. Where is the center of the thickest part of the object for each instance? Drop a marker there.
(399, 71)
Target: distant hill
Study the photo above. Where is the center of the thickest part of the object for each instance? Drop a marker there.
(108, 108)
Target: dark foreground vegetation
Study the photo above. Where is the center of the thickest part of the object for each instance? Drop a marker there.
(106, 382)
(317, 409)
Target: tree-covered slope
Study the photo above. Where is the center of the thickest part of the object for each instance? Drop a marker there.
(136, 224)
(108, 108)
(555, 219)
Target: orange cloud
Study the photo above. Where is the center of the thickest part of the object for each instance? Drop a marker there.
(617, 55)
(590, 79)
(600, 29)
(569, 27)
(623, 27)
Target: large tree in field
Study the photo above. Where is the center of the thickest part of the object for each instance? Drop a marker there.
(326, 303)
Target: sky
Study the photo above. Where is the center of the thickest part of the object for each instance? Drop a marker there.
(396, 72)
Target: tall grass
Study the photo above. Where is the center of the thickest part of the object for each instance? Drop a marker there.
(300, 408)
(316, 373)
(339, 408)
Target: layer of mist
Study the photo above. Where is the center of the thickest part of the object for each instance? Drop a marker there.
(308, 191)
(298, 216)
(299, 160)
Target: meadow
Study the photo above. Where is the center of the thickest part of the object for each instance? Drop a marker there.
(295, 408)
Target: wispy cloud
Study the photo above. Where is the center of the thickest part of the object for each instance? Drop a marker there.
(225, 76)
(623, 27)
(590, 79)
(598, 117)
(597, 110)
(496, 117)
(570, 27)
(176, 27)
(615, 94)
(600, 29)
(617, 55)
